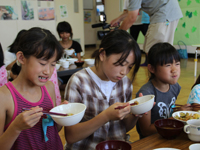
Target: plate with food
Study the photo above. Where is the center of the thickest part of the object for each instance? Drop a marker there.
(184, 116)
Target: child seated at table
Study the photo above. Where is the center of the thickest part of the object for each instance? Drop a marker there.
(102, 88)
(64, 30)
(31, 89)
(10, 60)
(164, 69)
(194, 97)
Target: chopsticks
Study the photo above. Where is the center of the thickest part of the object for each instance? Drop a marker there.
(194, 106)
(47, 112)
(121, 107)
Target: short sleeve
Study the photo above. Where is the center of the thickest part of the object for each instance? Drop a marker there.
(76, 46)
(73, 90)
(194, 96)
(134, 5)
(126, 3)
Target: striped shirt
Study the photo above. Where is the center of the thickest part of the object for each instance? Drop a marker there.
(82, 88)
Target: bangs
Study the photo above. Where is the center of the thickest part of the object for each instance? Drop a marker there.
(167, 57)
(40, 43)
(47, 50)
(123, 57)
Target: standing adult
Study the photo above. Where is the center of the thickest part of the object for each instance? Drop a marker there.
(141, 24)
(164, 17)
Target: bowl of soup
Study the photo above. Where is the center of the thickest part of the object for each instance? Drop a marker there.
(74, 111)
(169, 128)
(142, 104)
(113, 145)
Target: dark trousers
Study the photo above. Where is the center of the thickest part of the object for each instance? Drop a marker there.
(135, 30)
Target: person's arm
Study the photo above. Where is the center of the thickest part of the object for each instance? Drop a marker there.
(130, 120)
(145, 125)
(129, 19)
(79, 56)
(117, 21)
(84, 129)
(8, 67)
(23, 121)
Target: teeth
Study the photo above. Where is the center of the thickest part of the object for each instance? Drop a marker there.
(42, 78)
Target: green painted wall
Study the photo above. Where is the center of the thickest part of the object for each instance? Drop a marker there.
(188, 29)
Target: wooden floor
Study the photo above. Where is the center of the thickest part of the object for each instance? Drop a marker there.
(186, 80)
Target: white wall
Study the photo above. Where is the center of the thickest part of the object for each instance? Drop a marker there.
(91, 33)
(10, 28)
(113, 9)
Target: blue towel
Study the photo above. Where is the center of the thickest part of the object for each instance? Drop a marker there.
(45, 123)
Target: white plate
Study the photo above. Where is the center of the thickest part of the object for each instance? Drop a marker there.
(178, 114)
(166, 149)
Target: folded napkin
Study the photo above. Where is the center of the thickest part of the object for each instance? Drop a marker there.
(45, 123)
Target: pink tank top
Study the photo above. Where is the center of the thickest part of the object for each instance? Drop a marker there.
(33, 138)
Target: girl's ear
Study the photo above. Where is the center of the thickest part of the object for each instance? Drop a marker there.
(102, 54)
(151, 68)
(20, 57)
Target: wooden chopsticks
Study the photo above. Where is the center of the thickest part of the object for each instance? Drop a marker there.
(121, 107)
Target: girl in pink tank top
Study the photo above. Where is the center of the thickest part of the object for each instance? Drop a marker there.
(38, 51)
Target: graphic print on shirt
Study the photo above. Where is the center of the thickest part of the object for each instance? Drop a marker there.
(164, 110)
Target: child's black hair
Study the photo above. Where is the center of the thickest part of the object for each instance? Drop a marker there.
(15, 69)
(120, 41)
(161, 54)
(64, 27)
(13, 46)
(40, 43)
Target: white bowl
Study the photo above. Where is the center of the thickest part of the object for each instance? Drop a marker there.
(195, 146)
(69, 51)
(57, 66)
(72, 60)
(77, 109)
(145, 104)
(89, 62)
(177, 113)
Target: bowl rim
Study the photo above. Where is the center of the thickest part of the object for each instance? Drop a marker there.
(88, 59)
(113, 141)
(68, 116)
(171, 120)
(141, 97)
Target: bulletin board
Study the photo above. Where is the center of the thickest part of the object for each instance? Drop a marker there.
(188, 29)
(25, 15)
